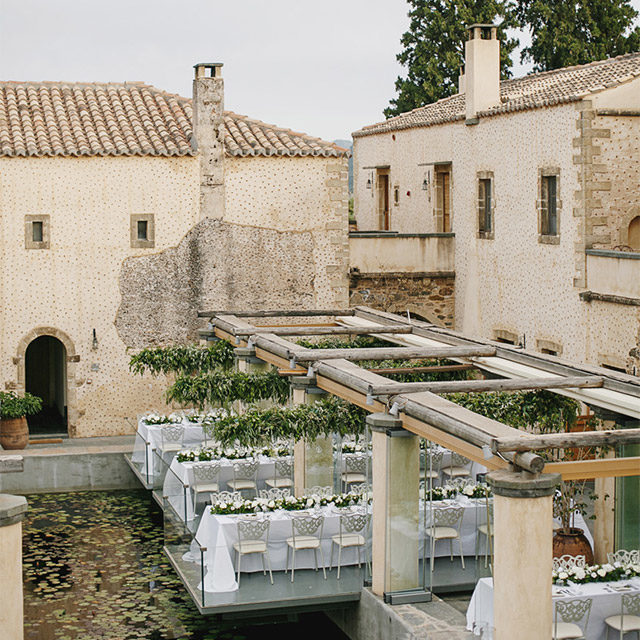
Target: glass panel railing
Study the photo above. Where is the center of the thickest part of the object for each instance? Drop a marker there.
(177, 494)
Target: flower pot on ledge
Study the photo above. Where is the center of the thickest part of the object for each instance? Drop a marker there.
(14, 433)
(572, 542)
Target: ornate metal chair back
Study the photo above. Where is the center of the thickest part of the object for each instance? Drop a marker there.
(253, 528)
(307, 526)
(172, 434)
(283, 467)
(206, 472)
(323, 492)
(458, 460)
(624, 557)
(275, 494)
(355, 463)
(245, 469)
(448, 516)
(573, 611)
(567, 561)
(226, 496)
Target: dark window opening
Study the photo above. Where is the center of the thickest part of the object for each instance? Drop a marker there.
(143, 230)
(549, 352)
(612, 368)
(485, 223)
(37, 231)
(549, 218)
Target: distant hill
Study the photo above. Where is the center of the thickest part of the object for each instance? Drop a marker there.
(347, 144)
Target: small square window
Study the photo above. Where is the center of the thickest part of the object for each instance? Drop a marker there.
(142, 230)
(37, 231)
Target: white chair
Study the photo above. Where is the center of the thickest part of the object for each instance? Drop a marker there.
(568, 562)
(361, 489)
(171, 439)
(486, 530)
(446, 526)
(306, 535)
(322, 492)
(253, 537)
(432, 465)
(225, 496)
(245, 476)
(622, 557)
(355, 469)
(275, 494)
(457, 466)
(352, 533)
(629, 619)
(571, 619)
(205, 478)
(282, 474)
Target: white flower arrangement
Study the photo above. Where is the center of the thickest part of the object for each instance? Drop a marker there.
(595, 573)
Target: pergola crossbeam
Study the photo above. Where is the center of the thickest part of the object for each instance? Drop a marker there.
(279, 313)
(535, 442)
(390, 353)
(477, 386)
(302, 330)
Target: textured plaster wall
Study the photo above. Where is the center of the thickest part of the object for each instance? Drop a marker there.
(513, 282)
(73, 287)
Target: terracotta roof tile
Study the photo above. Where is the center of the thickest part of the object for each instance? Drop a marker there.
(546, 89)
(112, 119)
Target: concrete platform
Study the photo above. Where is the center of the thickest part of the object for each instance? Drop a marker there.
(77, 464)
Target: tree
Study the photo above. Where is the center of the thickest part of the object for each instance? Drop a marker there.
(566, 33)
(433, 47)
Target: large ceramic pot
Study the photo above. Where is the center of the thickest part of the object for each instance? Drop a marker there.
(573, 543)
(14, 433)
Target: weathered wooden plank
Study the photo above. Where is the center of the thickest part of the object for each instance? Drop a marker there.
(279, 313)
(600, 468)
(477, 386)
(301, 330)
(391, 353)
(536, 442)
(440, 368)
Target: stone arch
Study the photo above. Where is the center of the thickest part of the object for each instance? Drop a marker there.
(633, 233)
(627, 227)
(72, 360)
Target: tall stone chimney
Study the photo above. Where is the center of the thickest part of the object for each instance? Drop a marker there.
(481, 69)
(208, 136)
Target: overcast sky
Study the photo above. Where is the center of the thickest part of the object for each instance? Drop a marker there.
(323, 67)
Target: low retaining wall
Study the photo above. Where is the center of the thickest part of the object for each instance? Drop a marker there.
(91, 464)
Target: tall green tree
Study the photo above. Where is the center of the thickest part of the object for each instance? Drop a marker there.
(433, 47)
(566, 32)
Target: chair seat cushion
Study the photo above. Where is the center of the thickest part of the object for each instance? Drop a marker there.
(354, 477)
(238, 485)
(442, 533)
(304, 542)
(566, 631)
(250, 546)
(206, 488)
(433, 474)
(279, 483)
(456, 472)
(171, 446)
(631, 623)
(349, 540)
(483, 528)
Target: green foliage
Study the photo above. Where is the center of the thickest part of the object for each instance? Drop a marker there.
(357, 342)
(565, 33)
(183, 359)
(261, 427)
(418, 376)
(224, 387)
(14, 406)
(433, 48)
(541, 411)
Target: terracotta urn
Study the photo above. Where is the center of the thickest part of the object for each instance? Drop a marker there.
(14, 433)
(572, 542)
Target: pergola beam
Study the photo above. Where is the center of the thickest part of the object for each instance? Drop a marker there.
(390, 353)
(437, 368)
(477, 386)
(572, 440)
(302, 330)
(279, 313)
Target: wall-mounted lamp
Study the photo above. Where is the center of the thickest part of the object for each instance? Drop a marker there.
(426, 183)
(94, 342)
(369, 183)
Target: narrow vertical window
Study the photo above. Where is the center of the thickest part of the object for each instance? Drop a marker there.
(37, 231)
(549, 206)
(143, 230)
(485, 222)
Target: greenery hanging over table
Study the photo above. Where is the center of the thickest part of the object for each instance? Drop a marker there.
(183, 359)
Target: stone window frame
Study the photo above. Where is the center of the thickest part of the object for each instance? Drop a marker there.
(29, 242)
(484, 233)
(506, 337)
(547, 346)
(548, 172)
(150, 242)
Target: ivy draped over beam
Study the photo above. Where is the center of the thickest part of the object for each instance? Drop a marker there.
(224, 387)
(309, 421)
(183, 359)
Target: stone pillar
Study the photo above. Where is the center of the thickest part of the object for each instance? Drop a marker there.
(12, 510)
(523, 513)
(396, 474)
(208, 136)
(312, 461)
(246, 361)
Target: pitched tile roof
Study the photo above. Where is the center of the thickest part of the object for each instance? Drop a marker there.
(127, 119)
(529, 92)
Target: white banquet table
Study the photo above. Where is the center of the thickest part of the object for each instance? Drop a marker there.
(181, 473)
(605, 602)
(217, 533)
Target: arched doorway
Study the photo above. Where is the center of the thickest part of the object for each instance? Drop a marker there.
(46, 377)
(634, 234)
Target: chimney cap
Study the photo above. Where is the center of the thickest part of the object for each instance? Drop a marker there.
(482, 31)
(208, 65)
(213, 69)
(481, 25)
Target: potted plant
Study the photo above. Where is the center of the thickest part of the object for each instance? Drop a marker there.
(569, 539)
(14, 430)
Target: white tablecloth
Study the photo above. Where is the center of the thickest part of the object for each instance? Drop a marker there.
(218, 533)
(605, 602)
(181, 473)
(149, 438)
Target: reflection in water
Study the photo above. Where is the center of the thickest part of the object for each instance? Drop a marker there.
(94, 568)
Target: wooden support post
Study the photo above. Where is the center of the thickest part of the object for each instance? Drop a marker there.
(396, 461)
(523, 507)
(604, 505)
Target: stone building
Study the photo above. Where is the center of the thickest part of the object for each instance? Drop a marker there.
(125, 209)
(522, 196)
